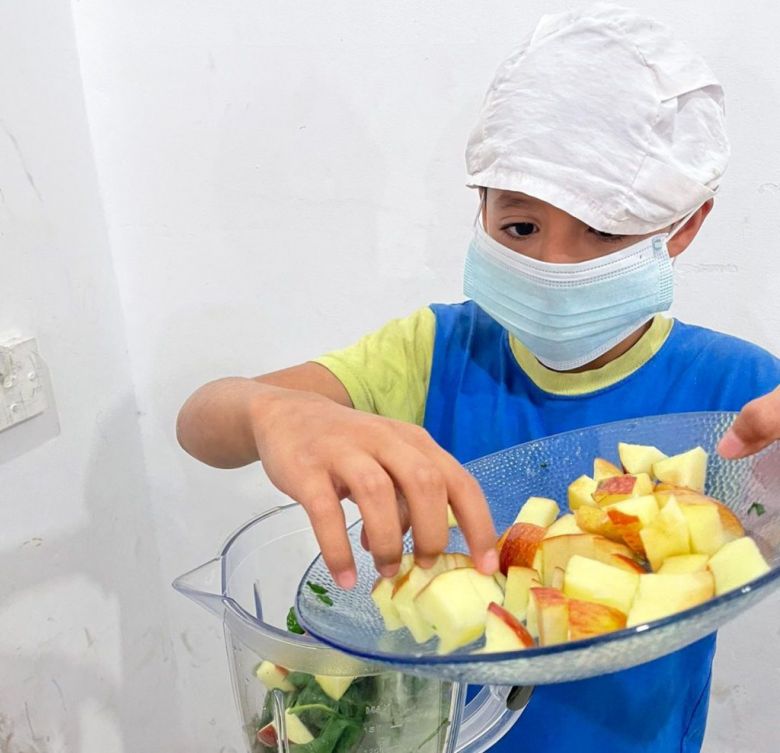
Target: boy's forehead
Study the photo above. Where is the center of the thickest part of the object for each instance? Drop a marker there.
(512, 199)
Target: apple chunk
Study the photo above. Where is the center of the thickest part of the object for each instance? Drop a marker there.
(688, 469)
(705, 527)
(587, 619)
(558, 550)
(455, 604)
(552, 615)
(519, 545)
(638, 458)
(666, 536)
(273, 676)
(297, 732)
(604, 469)
(565, 524)
(504, 632)
(617, 488)
(684, 563)
(590, 580)
(333, 686)
(518, 584)
(660, 595)
(580, 492)
(736, 564)
(540, 511)
(732, 528)
(644, 507)
(405, 590)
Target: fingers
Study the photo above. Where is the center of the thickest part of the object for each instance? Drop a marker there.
(756, 426)
(323, 507)
(424, 489)
(468, 503)
(373, 490)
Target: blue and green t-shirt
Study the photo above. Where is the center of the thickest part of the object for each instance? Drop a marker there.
(477, 390)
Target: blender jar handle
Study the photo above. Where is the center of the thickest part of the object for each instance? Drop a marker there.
(489, 716)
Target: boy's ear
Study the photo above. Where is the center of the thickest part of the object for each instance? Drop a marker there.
(688, 232)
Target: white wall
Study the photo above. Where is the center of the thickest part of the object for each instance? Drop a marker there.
(276, 179)
(83, 646)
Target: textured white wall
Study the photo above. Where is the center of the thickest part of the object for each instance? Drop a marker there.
(85, 651)
(277, 178)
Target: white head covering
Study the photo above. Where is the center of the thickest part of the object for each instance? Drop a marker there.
(603, 114)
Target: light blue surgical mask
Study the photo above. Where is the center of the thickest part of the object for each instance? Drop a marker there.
(568, 315)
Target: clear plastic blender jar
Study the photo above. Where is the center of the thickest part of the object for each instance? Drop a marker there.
(296, 695)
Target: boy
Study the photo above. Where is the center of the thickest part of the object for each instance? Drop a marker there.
(597, 155)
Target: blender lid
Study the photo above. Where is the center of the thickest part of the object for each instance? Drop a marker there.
(350, 622)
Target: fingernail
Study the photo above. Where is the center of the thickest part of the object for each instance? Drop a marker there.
(731, 446)
(490, 562)
(346, 579)
(388, 570)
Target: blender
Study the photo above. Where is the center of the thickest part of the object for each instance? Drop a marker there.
(297, 695)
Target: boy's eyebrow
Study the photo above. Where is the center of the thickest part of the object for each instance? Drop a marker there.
(508, 200)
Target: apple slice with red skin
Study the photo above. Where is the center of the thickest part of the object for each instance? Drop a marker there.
(586, 619)
(519, 545)
(504, 632)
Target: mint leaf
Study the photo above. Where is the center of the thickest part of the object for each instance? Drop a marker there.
(758, 508)
(325, 599)
(292, 622)
(318, 589)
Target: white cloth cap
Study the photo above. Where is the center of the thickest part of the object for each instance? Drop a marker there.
(605, 115)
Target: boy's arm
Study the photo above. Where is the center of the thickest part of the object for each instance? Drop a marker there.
(318, 450)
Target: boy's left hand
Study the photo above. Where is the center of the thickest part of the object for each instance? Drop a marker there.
(756, 426)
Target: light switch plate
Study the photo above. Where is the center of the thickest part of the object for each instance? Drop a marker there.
(22, 387)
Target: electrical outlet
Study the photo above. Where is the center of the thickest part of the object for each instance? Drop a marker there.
(22, 387)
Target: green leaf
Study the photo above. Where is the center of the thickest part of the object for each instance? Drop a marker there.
(316, 587)
(325, 599)
(758, 508)
(292, 622)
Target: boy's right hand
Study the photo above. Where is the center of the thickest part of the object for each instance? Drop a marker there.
(319, 452)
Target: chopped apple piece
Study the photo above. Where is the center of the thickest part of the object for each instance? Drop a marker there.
(638, 458)
(297, 732)
(732, 528)
(382, 596)
(666, 536)
(684, 563)
(604, 469)
(556, 580)
(455, 603)
(587, 619)
(595, 520)
(736, 564)
(618, 488)
(452, 521)
(335, 687)
(590, 580)
(628, 528)
(705, 527)
(687, 469)
(406, 588)
(557, 551)
(504, 632)
(580, 492)
(660, 595)
(565, 524)
(552, 614)
(518, 584)
(538, 510)
(273, 676)
(645, 508)
(500, 578)
(520, 545)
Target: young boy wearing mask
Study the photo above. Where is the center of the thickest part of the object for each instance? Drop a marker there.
(597, 155)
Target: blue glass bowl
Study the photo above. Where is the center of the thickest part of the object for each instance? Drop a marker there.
(545, 468)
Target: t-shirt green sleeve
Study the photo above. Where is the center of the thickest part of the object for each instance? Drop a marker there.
(387, 372)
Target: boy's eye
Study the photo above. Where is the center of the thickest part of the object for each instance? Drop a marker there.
(521, 229)
(605, 236)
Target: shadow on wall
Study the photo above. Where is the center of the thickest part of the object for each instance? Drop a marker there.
(119, 665)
